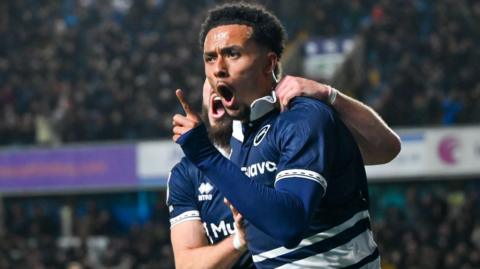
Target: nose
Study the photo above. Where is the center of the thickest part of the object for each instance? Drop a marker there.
(221, 70)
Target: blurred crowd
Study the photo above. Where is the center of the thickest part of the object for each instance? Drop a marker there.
(427, 226)
(99, 234)
(422, 62)
(94, 70)
(416, 225)
(88, 70)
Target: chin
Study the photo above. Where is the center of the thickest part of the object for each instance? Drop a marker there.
(241, 114)
(233, 114)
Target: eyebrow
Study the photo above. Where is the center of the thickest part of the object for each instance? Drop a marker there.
(223, 50)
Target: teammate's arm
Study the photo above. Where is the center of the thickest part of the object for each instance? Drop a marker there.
(189, 241)
(191, 248)
(377, 142)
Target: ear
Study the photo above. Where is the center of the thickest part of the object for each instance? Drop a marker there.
(272, 60)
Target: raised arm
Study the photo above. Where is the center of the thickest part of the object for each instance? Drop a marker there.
(378, 143)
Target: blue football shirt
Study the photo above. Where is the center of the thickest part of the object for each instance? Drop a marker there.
(192, 196)
(291, 145)
(298, 178)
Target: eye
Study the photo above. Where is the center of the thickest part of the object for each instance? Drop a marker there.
(233, 54)
(209, 58)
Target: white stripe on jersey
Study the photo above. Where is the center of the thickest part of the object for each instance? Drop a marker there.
(350, 253)
(187, 215)
(314, 238)
(308, 174)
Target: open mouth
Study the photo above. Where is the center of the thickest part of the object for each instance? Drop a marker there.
(217, 108)
(226, 93)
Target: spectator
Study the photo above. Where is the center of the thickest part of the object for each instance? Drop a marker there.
(82, 71)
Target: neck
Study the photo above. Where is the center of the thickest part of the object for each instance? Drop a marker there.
(225, 150)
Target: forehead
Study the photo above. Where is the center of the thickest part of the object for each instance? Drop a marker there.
(227, 35)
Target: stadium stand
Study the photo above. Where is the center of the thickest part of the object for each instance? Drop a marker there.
(102, 231)
(427, 63)
(428, 225)
(83, 71)
(88, 71)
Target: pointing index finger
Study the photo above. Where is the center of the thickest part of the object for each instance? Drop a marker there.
(186, 106)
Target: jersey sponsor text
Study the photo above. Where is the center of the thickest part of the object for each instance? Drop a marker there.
(259, 168)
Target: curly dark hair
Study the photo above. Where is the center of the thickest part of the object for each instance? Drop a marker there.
(267, 29)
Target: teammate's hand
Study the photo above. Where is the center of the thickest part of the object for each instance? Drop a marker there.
(290, 87)
(239, 225)
(182, 124)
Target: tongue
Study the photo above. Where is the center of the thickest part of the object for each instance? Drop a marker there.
(220, 111)
(217, 108)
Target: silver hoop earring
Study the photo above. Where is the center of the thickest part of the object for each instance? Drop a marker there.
(275, 78)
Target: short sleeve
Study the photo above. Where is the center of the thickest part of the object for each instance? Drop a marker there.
(306, 143)
(181, 201)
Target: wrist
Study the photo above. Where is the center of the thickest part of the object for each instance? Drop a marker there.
(239, 244)
(332, 95)
(196, 145)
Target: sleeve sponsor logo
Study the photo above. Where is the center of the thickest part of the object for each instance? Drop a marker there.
(205, 189)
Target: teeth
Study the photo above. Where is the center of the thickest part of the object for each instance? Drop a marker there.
(217, 98)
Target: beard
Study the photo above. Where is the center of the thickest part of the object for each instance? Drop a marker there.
(221, 133)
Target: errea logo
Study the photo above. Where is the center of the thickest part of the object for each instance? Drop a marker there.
(205, 189)
(261, 134)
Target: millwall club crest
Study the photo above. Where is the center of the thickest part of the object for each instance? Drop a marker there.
(261, 134)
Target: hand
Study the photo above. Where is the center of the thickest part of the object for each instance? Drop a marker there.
(182, 124)
(239, 225)
(290, 87)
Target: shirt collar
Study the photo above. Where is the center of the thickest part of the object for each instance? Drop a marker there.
(225, 152)
(258, 109)
(237, 132)
(262, 106)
